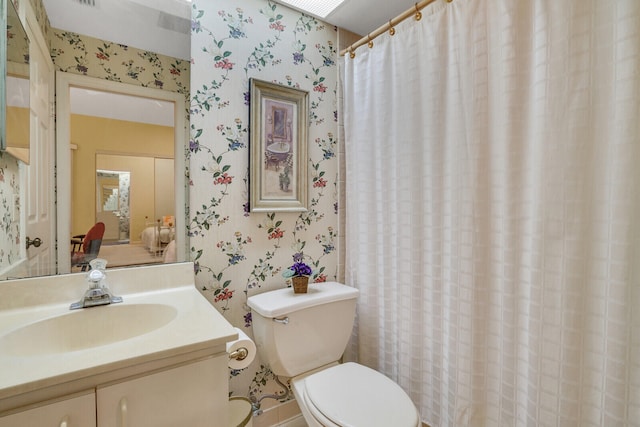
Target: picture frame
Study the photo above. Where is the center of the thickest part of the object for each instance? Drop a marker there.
(278, 131)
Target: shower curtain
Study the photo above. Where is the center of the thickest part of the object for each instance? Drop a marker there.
(493, 193)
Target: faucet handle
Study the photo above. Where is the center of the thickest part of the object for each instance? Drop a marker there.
(98, 264)
(95, 277)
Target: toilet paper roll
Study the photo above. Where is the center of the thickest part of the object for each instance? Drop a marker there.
(243, 342)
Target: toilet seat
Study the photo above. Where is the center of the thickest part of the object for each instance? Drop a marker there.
(354, 395)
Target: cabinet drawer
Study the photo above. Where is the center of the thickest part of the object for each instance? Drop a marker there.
(79, 411)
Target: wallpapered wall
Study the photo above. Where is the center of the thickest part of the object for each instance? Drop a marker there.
(237, 253)
(10, 236)
(80, 54)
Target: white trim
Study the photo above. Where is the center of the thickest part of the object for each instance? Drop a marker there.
(64, 81)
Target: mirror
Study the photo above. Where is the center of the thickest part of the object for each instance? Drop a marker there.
(15, 110)
(117, 167)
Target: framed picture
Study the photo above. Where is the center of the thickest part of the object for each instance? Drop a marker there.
(278, 154)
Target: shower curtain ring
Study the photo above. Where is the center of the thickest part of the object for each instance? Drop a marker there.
(418, 13)
(370, 44)
(392, 30)
(352, 54)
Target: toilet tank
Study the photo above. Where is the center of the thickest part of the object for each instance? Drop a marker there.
(296, 333)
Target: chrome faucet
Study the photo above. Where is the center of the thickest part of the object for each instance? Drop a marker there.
(98, 292)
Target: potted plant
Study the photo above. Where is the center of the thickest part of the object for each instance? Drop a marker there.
(299, 273)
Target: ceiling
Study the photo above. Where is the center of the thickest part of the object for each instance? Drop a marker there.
(163, 26)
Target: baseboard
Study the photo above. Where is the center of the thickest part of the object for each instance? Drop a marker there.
(278, 415)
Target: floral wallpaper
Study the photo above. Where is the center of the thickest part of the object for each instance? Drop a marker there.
(238, 253)
(10, 238)
(80, 54)
(17, 41)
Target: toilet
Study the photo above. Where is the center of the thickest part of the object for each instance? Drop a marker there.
(303, 336)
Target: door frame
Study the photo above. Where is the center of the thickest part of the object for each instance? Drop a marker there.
(64, 82)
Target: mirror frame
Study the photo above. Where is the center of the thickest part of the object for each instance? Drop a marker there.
(4, 9)
(64, 83)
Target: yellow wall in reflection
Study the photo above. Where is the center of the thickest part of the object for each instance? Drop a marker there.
(17, 127)
(93, 135)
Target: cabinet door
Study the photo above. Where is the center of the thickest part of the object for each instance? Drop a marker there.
(75, 412)
(191, 395)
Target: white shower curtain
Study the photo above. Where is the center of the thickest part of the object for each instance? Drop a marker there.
(493, 193)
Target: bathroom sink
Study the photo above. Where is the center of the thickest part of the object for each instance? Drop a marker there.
(86, 328)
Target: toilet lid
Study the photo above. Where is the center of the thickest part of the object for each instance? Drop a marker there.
(354, 395)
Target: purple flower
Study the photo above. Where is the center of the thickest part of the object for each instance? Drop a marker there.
(299, 268)
(298, 57)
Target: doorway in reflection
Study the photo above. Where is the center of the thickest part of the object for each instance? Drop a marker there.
(122, 174)
(112, 203)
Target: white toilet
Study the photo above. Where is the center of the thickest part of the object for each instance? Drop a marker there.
(302, 337)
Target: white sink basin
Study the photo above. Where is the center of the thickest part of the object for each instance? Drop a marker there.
(86, 328)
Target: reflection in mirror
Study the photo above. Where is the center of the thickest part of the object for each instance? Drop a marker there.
(132, 154)
(112, 204)
(16, 138)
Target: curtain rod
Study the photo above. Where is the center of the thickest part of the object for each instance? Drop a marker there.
(415, 11)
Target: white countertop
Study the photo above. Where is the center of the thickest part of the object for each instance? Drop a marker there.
(198, 330)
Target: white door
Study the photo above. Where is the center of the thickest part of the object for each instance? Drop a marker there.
(38, 202)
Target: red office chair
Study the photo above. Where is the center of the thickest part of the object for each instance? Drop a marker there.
(85, 247)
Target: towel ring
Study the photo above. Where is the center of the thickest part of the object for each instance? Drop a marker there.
(370, 44)
(418, 13)
(392, 30)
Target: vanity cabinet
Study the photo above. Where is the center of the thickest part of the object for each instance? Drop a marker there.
(79, 411)
(157, 359)
(191, 395)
